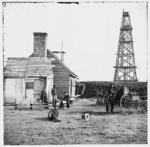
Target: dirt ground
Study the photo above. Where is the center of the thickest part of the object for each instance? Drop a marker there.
(26, 127)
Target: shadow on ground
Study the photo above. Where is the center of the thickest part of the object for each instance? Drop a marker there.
(91, 105)
(42, 119)
(94, 113)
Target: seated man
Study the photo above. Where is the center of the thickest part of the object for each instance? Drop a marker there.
(65, 100)
(44, 96)
(53, 115)
(62, 104)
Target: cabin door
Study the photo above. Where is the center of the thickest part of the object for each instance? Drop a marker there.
(30, 91)
(39, 86)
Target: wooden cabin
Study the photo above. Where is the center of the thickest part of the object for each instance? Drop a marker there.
(25, 78)
(64, 79)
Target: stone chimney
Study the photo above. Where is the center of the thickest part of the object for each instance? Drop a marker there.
(40, 48)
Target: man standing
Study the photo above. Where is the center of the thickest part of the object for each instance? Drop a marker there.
(110, 98)
(54, 95)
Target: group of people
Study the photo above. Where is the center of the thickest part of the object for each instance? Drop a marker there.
(55, 100)
(53, 113)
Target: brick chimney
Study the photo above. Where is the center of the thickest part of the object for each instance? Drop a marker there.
(40, 48)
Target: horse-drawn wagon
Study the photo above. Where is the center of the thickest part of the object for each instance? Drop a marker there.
(127, 101)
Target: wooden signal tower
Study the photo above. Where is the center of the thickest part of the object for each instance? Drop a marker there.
(125, 69)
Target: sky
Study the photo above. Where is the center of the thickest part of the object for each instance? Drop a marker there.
(89, 32)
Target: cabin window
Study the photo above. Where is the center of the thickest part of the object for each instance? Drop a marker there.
(29, 85)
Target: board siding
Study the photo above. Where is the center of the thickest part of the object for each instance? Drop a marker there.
(14, 90)
(61, 77)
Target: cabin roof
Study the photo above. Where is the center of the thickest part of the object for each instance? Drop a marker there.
(32, 66)
(52, 55)
(49, 53)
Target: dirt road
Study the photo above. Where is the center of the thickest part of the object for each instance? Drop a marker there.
(26, 127)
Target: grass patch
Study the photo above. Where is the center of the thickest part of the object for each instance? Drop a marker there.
(25, 127)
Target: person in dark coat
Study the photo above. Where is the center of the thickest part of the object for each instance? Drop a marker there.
(110, 98)
(44, 96)
(66, 97)
(61, 106)
(53, 115)
(54, 95)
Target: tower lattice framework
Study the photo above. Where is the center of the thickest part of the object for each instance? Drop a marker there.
(125, 69)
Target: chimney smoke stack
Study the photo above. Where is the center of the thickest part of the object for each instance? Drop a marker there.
(40, 48)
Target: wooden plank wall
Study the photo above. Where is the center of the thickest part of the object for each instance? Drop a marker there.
(19, 67)
(61, 79)
(14, 90)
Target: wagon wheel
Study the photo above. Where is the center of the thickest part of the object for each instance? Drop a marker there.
(129, 104)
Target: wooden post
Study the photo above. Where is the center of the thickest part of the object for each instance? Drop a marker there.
(16, 106)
